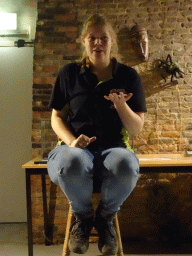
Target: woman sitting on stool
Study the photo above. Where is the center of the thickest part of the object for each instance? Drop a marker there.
(95, 104)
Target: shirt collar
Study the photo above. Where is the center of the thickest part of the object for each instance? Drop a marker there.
(83, 69)
(83, 66)
(115, 64)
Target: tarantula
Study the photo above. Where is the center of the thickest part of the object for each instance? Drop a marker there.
(170, 67)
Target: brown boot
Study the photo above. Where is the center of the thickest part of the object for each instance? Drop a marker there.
(108, 244)
(79, 236)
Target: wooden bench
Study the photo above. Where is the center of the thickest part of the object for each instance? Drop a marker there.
(149, 163)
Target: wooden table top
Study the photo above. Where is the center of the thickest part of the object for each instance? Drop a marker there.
(158, 160)
(32, 165)
(145, 160)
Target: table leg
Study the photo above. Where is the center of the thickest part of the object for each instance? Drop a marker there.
(29, 214)
(46, 227)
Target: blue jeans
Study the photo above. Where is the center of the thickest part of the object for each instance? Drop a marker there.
(114, 171)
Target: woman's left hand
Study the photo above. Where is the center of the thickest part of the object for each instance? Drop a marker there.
(118, 97)
(132, 121)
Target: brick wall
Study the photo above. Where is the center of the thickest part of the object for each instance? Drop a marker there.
(168, 126)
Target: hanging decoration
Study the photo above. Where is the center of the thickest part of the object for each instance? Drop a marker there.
(139, 38)
(170, 67)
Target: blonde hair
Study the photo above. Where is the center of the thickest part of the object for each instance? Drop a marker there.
(97, 20)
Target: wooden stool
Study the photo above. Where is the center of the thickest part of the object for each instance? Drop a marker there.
(66, 251)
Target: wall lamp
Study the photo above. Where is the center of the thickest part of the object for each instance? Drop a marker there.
(8, 26)
(8, 21)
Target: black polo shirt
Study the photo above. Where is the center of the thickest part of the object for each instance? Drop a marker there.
(92, 114)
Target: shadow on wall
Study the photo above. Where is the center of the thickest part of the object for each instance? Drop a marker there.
(151, 77)
(170, 215)
(153, 81)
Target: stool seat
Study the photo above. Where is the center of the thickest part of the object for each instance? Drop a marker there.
(66, 251)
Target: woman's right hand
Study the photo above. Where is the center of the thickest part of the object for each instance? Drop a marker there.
(82, 141)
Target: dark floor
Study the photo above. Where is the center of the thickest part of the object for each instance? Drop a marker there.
(13, 242)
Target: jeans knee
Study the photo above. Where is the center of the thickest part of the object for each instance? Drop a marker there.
(128, 166)
(75, 164)
(125, 164)
(127, 174)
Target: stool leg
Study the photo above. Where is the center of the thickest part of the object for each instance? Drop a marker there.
(66, 251)
(120, 251)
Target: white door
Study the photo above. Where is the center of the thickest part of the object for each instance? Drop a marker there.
(16, 79)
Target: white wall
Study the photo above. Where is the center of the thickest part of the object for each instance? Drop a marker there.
(16, 81)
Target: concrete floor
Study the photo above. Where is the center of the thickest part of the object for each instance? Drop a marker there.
(13, 242)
